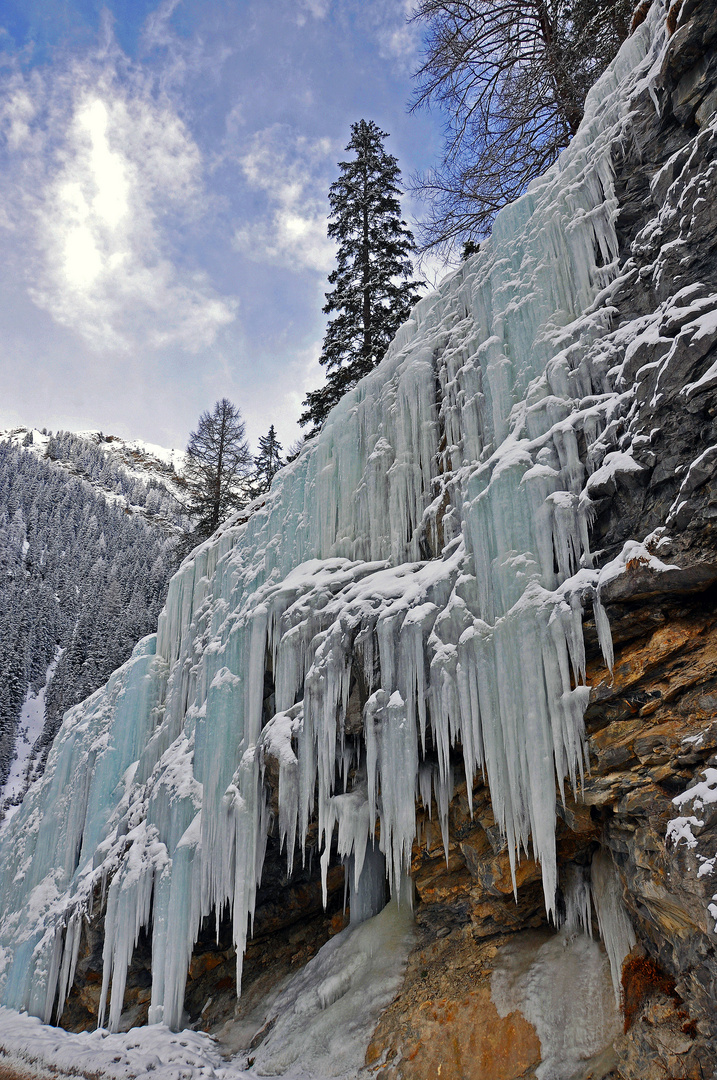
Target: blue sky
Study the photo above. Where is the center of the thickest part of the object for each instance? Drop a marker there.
(163, 179)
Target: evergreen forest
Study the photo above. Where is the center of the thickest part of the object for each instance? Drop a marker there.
(81, 581)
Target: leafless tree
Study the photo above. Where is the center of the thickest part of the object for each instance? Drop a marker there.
(511, 78)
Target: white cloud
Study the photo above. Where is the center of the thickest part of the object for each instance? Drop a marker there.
(291, 170)
(183, 57)
(433, 268)
(283, 406)
(100, 172)
(157, 31)
(317, 9)
(398, 39)
(18, 113)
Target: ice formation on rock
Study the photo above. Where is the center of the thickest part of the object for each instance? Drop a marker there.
(321, 1024)
(616, 929)
(561, 985)
(598, 886)
(413, 586)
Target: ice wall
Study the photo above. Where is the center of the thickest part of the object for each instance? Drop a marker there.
(411, 592)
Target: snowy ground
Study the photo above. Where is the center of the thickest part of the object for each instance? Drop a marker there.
(32, 1046)
(321, 1023)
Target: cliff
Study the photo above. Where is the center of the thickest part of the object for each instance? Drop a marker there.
(468, 640)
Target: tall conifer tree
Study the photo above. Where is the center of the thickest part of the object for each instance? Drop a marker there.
(373, 292)
(267, 462)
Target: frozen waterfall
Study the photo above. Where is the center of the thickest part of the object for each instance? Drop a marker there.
(411, 591)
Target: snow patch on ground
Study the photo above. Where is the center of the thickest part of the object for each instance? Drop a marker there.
(320, 1024)
(142, 1052)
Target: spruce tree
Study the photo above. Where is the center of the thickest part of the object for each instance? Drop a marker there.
(373, 292)
(267, 462)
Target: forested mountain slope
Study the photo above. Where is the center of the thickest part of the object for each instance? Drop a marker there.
(141, 477)
(86, 551)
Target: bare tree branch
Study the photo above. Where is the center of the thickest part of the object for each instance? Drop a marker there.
(510, 77)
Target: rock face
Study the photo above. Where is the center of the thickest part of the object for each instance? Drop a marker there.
(623, 467)
(651, 722)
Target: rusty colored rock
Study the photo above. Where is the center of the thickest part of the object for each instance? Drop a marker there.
(444, 1023)
(463, 1039)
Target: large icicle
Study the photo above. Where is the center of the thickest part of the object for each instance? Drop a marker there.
(616, 929)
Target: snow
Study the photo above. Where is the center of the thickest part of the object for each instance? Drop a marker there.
(432, 548)
(613, 464)
(141, 1052)
(167, 456)
(16, 436)
(700, 796)
(679, 830)
(30, 724)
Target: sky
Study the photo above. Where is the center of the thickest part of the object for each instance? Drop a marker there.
(164, 170)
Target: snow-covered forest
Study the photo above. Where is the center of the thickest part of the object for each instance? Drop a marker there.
(81, 581)
(155, 494)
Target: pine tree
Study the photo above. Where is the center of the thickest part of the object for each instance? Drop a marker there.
(267, 462)
(80, 582)
(373, 292)
(218, 461)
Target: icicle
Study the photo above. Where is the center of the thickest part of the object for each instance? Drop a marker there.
(368, 888)
(616, 928)
(577, 899)
(73, 935)
(602, 626)
(424, 786)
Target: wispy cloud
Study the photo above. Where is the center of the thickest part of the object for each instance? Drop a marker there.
(317, 9)
(157, 29)
(183, 58)
(100, 170)
(398, 39)
(291, 170)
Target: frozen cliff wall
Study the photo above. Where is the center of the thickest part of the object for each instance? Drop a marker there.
(648, 804)
(409, 601)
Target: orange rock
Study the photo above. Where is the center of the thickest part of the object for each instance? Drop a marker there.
(338, 922)
(205, 962)
(463, 1040)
